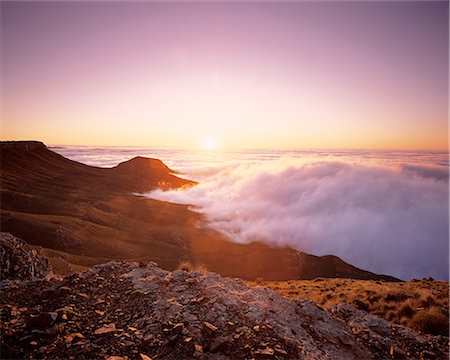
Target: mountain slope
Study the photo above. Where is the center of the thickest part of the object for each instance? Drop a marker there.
(83, 215)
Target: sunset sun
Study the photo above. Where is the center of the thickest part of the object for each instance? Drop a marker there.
(210, 143)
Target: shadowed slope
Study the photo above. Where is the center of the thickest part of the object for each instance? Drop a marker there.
(63, 205)
(83, 215)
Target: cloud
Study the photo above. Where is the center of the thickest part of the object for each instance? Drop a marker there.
(427, 171)
(391, 220)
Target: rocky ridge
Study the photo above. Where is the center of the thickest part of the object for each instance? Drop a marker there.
(20, 261)
(132, 310)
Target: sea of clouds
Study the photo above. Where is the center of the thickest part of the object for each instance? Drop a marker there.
(386, 212)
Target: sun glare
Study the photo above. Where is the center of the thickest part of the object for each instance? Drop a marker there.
(210, 143)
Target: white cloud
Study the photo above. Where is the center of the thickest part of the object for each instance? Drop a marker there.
(391, 220)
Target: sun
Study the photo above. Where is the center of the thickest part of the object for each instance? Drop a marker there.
(210, 143)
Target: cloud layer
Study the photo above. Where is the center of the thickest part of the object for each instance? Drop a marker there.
(391, 220)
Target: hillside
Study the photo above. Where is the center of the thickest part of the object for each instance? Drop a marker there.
(82, 215)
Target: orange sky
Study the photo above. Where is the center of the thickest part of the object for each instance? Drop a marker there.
(328, 75)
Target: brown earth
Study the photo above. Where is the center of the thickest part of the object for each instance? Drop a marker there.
(81, 215)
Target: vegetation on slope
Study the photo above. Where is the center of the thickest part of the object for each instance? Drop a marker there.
(421, 305)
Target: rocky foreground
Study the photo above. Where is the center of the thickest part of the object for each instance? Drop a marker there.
(123, 310)
(19, 261)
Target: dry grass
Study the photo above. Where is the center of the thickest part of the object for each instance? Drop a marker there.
(421, 305)
(188, 266)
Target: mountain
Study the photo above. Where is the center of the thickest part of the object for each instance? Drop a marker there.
(82, 215)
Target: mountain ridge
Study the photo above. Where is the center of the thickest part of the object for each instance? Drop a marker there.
(88, 215)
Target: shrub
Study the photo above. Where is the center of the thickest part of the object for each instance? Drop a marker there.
(428, 301)
(390, 316)
(260, 281)
(386, 307)
(396, 296)
(360, 305)
(185, 266)
(405, 311)
(430, 321)
(404, 321)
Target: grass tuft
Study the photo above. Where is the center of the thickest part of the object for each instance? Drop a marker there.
(430, 321)
(185, 266)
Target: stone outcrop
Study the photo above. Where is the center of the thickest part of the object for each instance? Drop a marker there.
(19, 261)
(136, 310)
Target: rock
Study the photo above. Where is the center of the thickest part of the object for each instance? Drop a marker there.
(66, 313)
(177, 328)
(346, 340)
(74, 338)
(280, 351)
(198, 350)
(426, 354)
(385, 339)
(20, 261)
(228, 320)
(55, 329)
(219, 344)
(209, 328)
(267, 353)
(138, 292)
(397, 353)
(105, 329)
(42, 320)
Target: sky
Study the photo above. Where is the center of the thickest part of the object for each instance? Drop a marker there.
(226, 75)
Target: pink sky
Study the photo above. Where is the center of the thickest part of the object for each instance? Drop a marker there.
(259, 74)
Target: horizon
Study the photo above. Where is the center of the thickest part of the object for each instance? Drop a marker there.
(219, 75)
(226, 149)
(232, 149)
